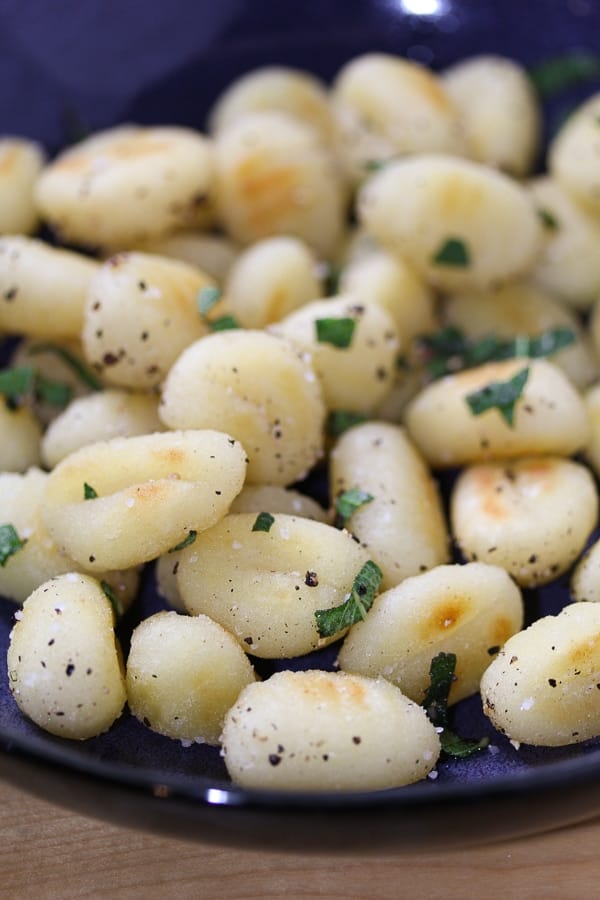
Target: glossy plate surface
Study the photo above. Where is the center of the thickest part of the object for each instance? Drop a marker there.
(107, 62)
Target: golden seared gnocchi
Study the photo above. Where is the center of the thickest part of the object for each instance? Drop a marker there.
(327, 731)
(21, 162)
(274, 176)
(280, 570)
(387, 106)
(270, 279)
(398, 517)
(43, 288)
(567, 266)
(353, 348)
(99, 417)
(532, 516)
(548, 414)
(64, 664)
(261, 390)
(128, 184)
(460, 223)
(542, 688)
(498, 110)
(276, 89)
(141, 312)
(469, 610)
(183, 674)
(573, 155)
(520, 309)
(119, 503)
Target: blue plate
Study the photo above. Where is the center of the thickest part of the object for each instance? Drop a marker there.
(111, 61)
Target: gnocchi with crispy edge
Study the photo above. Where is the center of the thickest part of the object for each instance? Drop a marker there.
(327, 731)
(119, 503)
(469, 610)
(542, 688)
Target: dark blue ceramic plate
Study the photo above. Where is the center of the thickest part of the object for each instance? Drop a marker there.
(105, 61)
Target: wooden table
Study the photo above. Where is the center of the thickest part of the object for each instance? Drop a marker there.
(49, 852)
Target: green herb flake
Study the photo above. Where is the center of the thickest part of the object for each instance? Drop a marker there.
(547, 219)
(112, 598)
(54, 393)
(15, 384)
(21, 383)
(340, 421)
(356, 606)
(559, 73)
(374, 165)
(550, 342)
(207, 298)
(224, 323)
(441, 678)
(449, 350)
(347, 503)
(458, 747)
(10, 543)
(453, 252)
(88, 492)
(338, 332)
(186, 542)
(500, 395)
(75, 364)
(435, 702)
(263, 522)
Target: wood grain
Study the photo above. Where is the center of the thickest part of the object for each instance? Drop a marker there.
(48, 852)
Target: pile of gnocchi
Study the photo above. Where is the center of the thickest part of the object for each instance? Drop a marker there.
(363, 279)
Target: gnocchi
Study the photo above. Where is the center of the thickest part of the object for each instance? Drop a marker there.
(341, 291)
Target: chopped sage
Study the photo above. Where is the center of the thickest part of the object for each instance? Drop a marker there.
(500, 395)
(77, 365)
(374, 165)
(88, 492)
(357, 604)
(110, 594)
(347, 502)
(338, 332)
(18, 383)
(453, 252)
(10, 543)
(449, 350)
(559, 73)
(187, 540)
(54, 393)
(435, 702)
(547, 219)
(224, 323)
(263, 522)
(340, 421)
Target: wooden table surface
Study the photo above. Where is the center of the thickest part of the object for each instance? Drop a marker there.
(50, 852)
